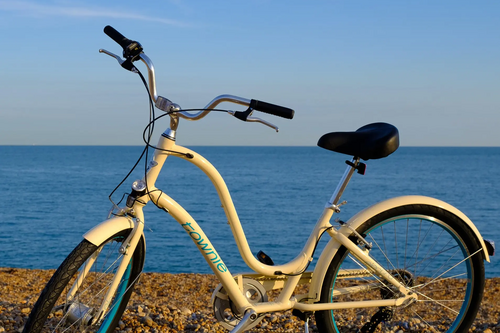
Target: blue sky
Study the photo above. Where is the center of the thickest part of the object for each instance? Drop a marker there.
(429, 67)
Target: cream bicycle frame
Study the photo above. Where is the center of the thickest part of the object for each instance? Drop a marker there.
(294, 269)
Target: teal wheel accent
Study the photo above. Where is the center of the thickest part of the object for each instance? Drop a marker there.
(66, 305)
(428, 249)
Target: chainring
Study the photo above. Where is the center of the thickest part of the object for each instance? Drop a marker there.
(224, 309)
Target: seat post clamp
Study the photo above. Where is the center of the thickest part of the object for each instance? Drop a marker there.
(360, 166)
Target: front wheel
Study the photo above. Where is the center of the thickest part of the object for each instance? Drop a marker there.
(71, 299)
(431, 251)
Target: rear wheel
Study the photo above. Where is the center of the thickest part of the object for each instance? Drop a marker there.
(431, 251)
(61, 309)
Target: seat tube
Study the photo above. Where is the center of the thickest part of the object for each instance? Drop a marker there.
(343, 182)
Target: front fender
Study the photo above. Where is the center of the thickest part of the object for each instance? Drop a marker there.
(366, 214)
(108, 228)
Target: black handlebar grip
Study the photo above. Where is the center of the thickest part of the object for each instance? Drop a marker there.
(117, 37)
(273, 109)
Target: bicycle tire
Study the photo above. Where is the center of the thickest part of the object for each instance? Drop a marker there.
(447, 274)
(54, 313)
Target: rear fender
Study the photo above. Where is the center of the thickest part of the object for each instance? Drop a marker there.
(358, 219)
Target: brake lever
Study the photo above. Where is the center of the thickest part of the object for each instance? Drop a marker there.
(262, 121)
(127, 64)
(247, 116)
(118, 58)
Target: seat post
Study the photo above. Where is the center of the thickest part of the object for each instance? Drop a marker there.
(343, 182)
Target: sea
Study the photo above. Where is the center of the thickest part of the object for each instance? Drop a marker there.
(51, 195)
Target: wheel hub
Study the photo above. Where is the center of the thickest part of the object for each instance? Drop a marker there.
(79, 314)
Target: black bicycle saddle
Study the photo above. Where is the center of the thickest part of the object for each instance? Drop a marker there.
(371, 141)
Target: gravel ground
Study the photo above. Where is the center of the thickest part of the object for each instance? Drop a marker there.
(181, 303)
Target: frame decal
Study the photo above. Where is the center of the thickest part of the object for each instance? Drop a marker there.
(205, 247)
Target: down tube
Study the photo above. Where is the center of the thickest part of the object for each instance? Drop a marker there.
(204, 245)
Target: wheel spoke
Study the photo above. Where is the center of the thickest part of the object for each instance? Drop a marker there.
(436, 301)
(88, 292)
(426, 249)
(435, 256)
(101, 276)
(396, 243)
(422, 319)
(452, 267)
(389, 263)
(371, 274)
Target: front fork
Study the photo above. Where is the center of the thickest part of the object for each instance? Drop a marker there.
(127, 250)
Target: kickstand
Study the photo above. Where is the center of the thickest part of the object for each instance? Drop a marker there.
(306, 325)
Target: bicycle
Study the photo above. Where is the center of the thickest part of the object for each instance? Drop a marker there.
(411, 260)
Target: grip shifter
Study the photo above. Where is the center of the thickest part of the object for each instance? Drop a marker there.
(131, 48)
(275, 110)
(269, 108)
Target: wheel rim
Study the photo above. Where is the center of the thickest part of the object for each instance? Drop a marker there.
(439, 246)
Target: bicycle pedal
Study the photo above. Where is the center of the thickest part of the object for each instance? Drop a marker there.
(265, 259)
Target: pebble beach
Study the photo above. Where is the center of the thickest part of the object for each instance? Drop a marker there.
(165, 302)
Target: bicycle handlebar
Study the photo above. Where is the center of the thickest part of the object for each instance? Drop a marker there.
(273, 109)
(133, 51)
(131, 48)
(116, 36)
